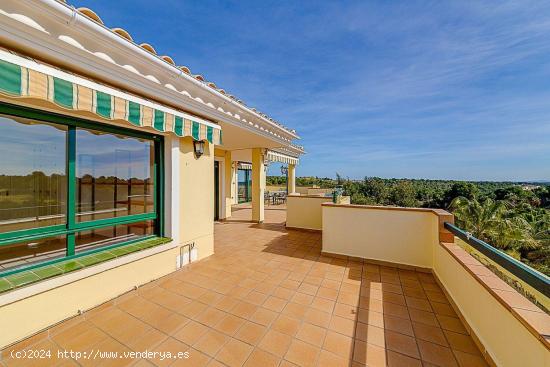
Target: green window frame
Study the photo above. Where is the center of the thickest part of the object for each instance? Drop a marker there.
(72, 227)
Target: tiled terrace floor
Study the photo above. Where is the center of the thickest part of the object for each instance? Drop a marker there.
(267, 298)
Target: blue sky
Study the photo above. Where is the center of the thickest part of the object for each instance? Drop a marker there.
(418, 89)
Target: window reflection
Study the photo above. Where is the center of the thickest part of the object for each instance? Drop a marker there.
(31, 252)
(96, 238)
(114, 175)
(32, 174)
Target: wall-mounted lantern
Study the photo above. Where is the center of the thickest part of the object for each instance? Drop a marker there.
(198, 146)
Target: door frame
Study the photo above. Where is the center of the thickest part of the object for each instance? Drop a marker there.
(221, 191)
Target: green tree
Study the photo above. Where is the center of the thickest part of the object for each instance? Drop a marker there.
(403, 194)
(376, 189)
(466, 190)
(490, 221)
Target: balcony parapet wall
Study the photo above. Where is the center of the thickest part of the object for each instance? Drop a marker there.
(507, 328)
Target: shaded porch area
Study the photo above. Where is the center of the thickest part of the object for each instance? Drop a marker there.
(267, 297)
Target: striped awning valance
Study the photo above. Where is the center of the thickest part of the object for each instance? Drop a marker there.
(243, 165)
(22, 77)
(273, 156)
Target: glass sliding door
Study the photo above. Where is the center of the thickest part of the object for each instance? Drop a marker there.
(68, 187)
(244, 185)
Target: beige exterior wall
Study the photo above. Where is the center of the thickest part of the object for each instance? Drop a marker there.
(197, 197)
(505, 338)
(29, 315)
(305, 211)
(399, 236)
(315, 191)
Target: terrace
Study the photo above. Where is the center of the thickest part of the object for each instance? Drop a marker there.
(270, 297)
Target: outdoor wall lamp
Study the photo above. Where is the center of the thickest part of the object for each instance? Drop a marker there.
(198, 146)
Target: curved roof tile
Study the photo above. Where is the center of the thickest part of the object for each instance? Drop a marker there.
(149, 48)
(123, 33)
(168, 59)
(90, 14)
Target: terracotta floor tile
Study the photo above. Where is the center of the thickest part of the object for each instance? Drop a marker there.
(342, 325)
(327, 283)
(266, 276)
(170, 324)
(328, 359)
(317, 317)
(260, 358)
(244, 310)
(196, 359)
(423, 317)
(328, 293)
(322, 304)
(263, 316)
(371, 317)
(338, 344)
(274, 304)
(398, 324)
(345, 311)
(461, 342)
(312, 334)
(368, 354)
(436, 354)
(256, 298)
(430, 333)
(275, 343)
(444, 309)
(469, 360)
(169, 345)
(395, 310)
(398, 299)
(286, 325)
(147, 340)
(452, 324)
(348, 298)
(302, 298)
(211, 342)
(193, 309)
(229, 324)
(401, 343)
(211, 316)
(370, 334)
(251, 333)
(191, 332)
(302, 354)
(400, 360)
(234, 353)
(283, 293)
(295, 310)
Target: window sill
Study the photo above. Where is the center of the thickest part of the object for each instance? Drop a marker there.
(66, 271)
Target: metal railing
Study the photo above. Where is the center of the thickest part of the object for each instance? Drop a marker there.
(523, 272)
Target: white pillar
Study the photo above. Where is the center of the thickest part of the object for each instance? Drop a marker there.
(258, 184)
(291, 178)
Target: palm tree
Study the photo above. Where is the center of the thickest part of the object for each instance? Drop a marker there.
(492, 222)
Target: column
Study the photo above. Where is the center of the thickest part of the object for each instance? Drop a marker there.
(229, 178)
(258, 184)
(291, 178)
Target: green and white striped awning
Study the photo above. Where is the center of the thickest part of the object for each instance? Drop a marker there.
(273, 156)
(24, 78)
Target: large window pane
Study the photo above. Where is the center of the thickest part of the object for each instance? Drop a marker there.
(31, 252)
(33, 184)
(114, 175)
(96, 238)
